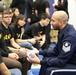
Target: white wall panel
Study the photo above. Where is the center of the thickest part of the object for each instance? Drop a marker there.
(72, 12)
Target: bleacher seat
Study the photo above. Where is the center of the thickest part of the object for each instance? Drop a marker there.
(64, 72)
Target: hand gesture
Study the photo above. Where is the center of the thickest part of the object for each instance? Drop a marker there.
(13, 56)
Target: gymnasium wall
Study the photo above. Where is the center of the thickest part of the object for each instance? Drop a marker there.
(72, 11)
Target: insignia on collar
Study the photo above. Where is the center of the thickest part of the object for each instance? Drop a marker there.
(66, 46)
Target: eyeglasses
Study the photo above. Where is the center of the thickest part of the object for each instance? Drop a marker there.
(7, 17)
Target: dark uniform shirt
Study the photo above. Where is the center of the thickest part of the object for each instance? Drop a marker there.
(7, 34)
(34, 30)
(41, 7)
(65, 50)
(16, 31)
(3, 47)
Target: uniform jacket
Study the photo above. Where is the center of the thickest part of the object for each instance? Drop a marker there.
(65, 50)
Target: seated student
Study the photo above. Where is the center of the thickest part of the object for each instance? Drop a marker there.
(38, 31)
(34, 10)
(64, 54)
(18, 29)
(7, 55)
(3, 68)
(9, 38)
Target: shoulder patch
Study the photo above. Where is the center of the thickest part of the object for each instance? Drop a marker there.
(66, 46)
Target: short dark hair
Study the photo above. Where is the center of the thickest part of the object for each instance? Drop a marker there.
(44, 16)
(6, 11)
(19, 17)
(13, 9)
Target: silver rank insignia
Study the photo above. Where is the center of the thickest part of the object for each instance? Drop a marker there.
(66, 46)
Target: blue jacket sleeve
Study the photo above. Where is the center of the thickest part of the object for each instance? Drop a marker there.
(49, 53)
(63, 55)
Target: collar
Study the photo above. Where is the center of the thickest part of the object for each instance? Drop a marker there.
(4, 26)
(63, 31)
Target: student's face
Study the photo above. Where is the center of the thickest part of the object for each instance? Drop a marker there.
(46, 21)
(16, 12)
(7, 19)
(22, 22)
(55, 23)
